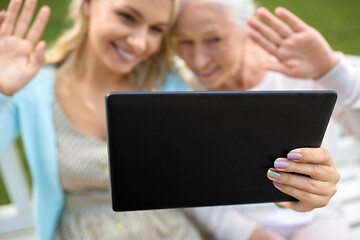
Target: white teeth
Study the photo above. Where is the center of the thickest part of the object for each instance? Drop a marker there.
(125, 55)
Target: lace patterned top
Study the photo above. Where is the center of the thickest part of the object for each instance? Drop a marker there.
(87, 213)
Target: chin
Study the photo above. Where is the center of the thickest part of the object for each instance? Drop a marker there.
(210, 84)
(121, 68)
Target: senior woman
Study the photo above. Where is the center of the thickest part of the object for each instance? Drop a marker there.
(276, 53)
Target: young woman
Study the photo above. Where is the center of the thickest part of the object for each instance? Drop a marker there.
(278, 52)
(113, 45)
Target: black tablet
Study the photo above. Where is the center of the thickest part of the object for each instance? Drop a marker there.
(191, 149)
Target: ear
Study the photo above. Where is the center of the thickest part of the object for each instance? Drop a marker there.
(86, 7)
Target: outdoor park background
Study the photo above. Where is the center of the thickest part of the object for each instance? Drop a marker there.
(337, 20)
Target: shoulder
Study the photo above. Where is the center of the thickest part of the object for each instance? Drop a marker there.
(173, 82)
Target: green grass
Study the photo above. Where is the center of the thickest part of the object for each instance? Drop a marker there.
(338, 21)
(57, 20)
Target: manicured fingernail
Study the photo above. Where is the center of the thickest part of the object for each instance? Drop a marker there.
(273, 174)
(294, 156)
(282, 164)
(279, 185)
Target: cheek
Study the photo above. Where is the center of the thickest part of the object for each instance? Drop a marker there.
(98, 33)
(228, 57)
(154, 44)
(184, 52)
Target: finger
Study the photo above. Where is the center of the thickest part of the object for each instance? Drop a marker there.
(294, 21)
(303, 183)
(39, 24)
(264, 30)
(279, 26)
(311, 155)
(307, 201)
(283, 204)
(2, 17)
(263, 42)
(315, 171)
(11, 14)
(25, 18)
(296, 206)
(39, 57)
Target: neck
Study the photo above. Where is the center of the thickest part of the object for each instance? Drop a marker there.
(89, 82)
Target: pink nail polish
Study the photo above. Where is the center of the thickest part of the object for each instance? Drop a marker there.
(281, 164)
(294, 156)
(279, 185)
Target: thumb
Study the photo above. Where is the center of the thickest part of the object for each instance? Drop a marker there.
(2, 16)
(284, 204)
(39, 55)
(277, 67)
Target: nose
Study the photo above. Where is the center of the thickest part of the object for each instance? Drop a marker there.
(137, 40)
(200, 57)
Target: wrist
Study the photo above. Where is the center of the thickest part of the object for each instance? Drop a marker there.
(6, 93)
(331, 60)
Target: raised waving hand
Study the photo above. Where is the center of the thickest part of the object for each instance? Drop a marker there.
(301, 51)
(21, 53)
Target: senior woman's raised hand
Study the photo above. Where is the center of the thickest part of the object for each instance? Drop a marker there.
(301, 51)
(21, 53)
(317, 184)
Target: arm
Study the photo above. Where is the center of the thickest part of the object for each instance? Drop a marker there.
(9, 128)
(21, 57)
(345, 79)
(302, 52)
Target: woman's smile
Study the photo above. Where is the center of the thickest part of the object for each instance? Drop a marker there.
(207, 73)
(124, 55)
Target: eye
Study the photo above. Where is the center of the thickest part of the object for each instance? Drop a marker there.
(213, 40)
(185, 42)
(157, 29)
(127, 17)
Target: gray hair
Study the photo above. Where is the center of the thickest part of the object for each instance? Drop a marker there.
(238, 9)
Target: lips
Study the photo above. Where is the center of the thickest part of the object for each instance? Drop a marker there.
(126, 56)
(207, 73)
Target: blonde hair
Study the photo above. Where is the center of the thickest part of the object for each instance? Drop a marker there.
(148, 75)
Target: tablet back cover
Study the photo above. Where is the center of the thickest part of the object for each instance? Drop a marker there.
(189, 149)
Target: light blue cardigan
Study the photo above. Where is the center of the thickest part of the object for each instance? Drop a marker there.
(30, 113)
